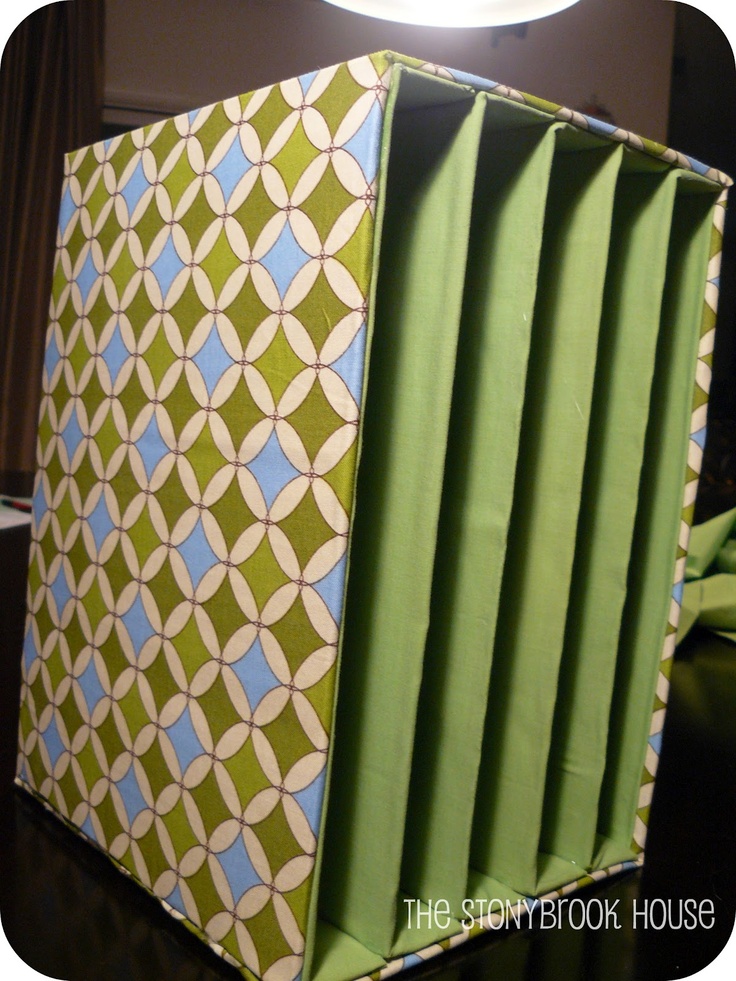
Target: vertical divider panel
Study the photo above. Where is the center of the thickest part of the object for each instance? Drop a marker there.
(626, 353)
(549, 474)
(503, 261)
(431, 175)
(658, 523)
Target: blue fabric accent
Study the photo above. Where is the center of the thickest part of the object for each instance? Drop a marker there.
(364, 145)
(231, 168)
(138, 625)
(87, 277)
(306, 80)
(332, 587)
(100, 522)
(197, 554)
(131, 794)
(212, 360)
(67, 210)
(350, 366)
(115, 354)
(284, 260)
(151, 446)
(184, 740)
(90, 684)
(72, 435)
(30, 651)
(135, 188)
(467, 78)
(53, 355)
(238, 868)
(88, 828)
(255, 675)
(167, 267)
(40, 507)
(60, 590)
(174, 899)
(272, 469)
(598, 126)
(699, 437)
(310, 800)
(53, 742)
(698, 167)
(655, 742)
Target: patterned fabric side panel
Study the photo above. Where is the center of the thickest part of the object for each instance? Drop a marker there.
(201, 401)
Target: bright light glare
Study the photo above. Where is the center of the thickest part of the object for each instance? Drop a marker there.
(455, 13)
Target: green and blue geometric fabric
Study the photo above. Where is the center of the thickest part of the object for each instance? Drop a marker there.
(269, 380)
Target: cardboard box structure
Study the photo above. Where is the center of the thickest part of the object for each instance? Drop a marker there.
(373, 408)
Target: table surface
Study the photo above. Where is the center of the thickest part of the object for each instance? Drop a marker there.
(70, 914)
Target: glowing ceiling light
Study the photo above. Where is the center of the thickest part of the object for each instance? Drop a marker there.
(455, 13)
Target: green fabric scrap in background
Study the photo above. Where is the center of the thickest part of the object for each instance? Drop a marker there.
(709, 596)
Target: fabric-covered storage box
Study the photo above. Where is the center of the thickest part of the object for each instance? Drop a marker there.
(373, 410)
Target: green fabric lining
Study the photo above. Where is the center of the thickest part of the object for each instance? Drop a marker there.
(541, 539)
(658, 519)
(425, 235)
(500, 289)
(338, 956)
(626, 353)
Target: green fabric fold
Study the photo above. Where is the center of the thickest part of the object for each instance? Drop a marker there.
(709, 595)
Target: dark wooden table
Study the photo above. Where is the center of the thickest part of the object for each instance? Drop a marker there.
(69, 914)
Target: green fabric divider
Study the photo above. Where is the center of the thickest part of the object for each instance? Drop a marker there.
(338, 956)
(429, 192)
(554, 872)
(505, 238)
(540, 550)
(418, 924)
(608, 852)
(658, 521)
(626, 352)
(483, 890)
